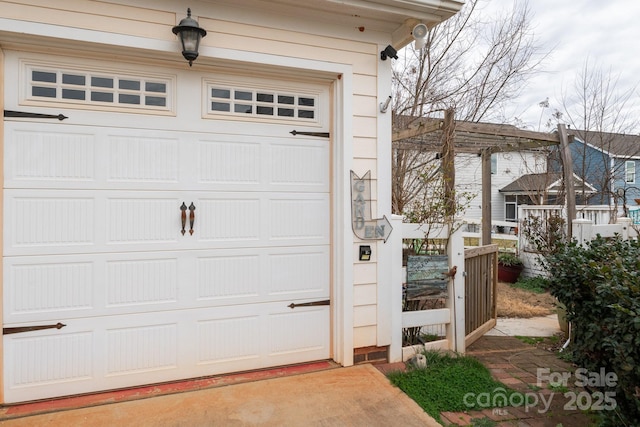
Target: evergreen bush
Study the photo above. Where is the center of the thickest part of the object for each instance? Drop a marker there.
(599, 283)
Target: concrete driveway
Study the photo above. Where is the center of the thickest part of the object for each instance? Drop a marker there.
(355, 396)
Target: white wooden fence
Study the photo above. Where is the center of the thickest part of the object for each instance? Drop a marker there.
(509, 237)
(585, 230)
(504, 232)
(592, 220)
(598, 214)
(452, 316)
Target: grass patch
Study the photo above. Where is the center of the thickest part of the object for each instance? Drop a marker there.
(558, 388)
(537, 285)
(429, 337)
(530, 340)
(566, 355)
(553, 339)
(451, 383)
(483, 422)
(534, 387)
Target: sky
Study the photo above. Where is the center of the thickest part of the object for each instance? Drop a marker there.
(604, 32)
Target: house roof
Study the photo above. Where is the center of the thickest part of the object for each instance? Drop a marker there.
(391, 16)
(398, 10)
(614, 144)
(545, 182)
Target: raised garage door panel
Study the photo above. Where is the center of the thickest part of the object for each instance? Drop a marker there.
(229, 283)
(93, 239)
(40, 222)
(118, 351)
(62, 156)
(49, 288)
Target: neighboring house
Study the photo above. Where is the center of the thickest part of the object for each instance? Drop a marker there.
(540, 189)
(505, 168)
(516, 152)
(610, 162)
(173, 225)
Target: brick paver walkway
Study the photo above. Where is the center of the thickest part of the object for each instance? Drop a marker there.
(517, 365)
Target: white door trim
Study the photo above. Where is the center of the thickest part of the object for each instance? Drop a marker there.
(386, 283)
(342, 115)
(2, 106)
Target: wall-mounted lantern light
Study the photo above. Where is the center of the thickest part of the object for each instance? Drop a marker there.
(190, 35)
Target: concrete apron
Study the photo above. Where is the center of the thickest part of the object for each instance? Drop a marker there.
(355, 396)
(544, 326)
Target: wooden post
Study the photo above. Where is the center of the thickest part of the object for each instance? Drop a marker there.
(582, 231)
(486, 198)
(567, 172)
(456, 300)
(455, 246)
(448, 166)
(395, 239)
(626, 224)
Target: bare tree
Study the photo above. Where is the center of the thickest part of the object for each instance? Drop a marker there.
(412, 172)
(602, 115)
(597, 104)
(471, 63)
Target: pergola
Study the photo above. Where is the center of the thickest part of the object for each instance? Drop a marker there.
(449, 136)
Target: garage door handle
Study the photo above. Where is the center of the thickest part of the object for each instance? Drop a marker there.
(183, 217)
(192, 217)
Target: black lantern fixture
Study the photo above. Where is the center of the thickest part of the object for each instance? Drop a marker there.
(190, 35)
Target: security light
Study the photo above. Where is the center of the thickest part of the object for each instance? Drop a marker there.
(419, 34)
(389, 52)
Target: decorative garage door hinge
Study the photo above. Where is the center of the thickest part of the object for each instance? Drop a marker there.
(310, 304)
(21, 329)
(318, 134)
(26, 115)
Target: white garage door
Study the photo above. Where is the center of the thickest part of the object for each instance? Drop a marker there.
(169, 238)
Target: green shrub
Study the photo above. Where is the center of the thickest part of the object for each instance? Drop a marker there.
(509, 259)
(600, 286)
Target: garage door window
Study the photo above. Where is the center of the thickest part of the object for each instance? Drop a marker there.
(262, 103)
(98, 89)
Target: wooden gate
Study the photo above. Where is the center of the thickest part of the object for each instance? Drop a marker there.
(481, 281)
